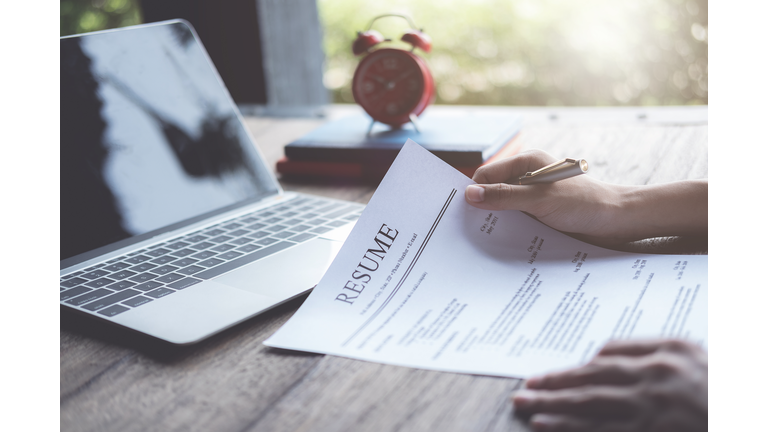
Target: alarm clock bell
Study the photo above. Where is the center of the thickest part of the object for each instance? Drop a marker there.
(393, 86)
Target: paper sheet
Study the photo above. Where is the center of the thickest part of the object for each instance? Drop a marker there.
(425, 280)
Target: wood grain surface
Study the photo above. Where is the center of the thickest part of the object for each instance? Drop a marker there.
(112, 379)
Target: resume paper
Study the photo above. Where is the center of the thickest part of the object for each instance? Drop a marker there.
(427, 281)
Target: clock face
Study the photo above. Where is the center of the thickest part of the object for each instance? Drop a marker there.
(391, 84)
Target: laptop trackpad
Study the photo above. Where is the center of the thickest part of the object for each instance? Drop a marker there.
(288, 273)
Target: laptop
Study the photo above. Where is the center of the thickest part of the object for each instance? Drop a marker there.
(172, 224)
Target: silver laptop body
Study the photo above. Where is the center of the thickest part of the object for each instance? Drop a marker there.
(171, 222)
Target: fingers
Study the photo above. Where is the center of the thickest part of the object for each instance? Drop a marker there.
(501, 196)
(568, 423)
(513, 167)
(610, 370)
(606, 402)
(645, 347)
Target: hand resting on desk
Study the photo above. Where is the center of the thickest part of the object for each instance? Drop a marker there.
(597, 212)
(657, 385)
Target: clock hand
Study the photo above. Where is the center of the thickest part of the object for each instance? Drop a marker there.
(403, 76)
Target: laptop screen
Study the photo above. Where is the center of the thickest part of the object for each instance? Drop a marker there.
(150, 138)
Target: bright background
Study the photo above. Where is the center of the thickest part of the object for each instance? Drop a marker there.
(509, 52)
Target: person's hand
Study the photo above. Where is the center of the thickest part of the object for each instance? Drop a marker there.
(596, 211)
(652, 386)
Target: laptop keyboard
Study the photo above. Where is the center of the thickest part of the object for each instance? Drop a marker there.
(127, 282)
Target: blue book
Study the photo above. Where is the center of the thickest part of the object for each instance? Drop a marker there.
(459, 137)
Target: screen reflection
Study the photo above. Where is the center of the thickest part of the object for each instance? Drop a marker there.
(149, 137)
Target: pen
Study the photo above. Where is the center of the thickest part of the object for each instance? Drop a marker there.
(560, 170)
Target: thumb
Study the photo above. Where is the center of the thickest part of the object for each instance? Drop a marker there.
(500, 196)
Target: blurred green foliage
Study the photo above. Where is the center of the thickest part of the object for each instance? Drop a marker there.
(509, 52)
(82, 16)
(538, 52)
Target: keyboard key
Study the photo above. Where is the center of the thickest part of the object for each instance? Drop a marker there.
(137, 252)
(137, 301)
(204, 255)
(328, 208)
(310, 215)
(158, 252)
(214, 232)
(241, 241)
(178, 245)
(256, 226)
(317, 221)
(210, 262)
(100, 282)
(238, 233)
(74, 292)
(163, 259)
(184, 262)
(138, 259)
(116, 266)
(221, 239)
(266, 241)
(190, 270)
(197, 238)
(122, 274)
(223, 248)
(320, 230)
(289, 214)
(203, 245)
(248, 248)
(113, 310)
(72, 282)
(259, 234)
(146, 286)
(300, 228)
(143, 277)
(275, 228)
(89, 296)
(139, 268)
(95, 274)
(160, 292)
(298, 238)
(229, 255)
(184, 283)
(164, 269)
(292, 222)
(352, 217)
(273, 220)
(266, 214)
(111, 299)
(121, 285)
(245, 259)
(249, 219)
(283, 235)
(170, 277)
(231, 226)
(183, 252)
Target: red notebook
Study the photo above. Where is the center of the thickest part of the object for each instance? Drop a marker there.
(370, 171)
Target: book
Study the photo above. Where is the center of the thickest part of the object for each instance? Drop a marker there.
(360, 171)
(462, 138)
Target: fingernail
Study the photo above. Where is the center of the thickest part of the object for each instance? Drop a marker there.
(533, 382)
(522, 398)
(475, 193)
(543, 422)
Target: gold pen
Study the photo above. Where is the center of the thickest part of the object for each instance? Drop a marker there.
(560, 170)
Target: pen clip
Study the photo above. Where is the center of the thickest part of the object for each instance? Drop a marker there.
(551, 167)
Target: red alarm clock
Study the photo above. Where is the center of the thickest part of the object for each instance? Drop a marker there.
(393, 86)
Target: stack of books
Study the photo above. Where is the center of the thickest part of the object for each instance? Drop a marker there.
(345, 148)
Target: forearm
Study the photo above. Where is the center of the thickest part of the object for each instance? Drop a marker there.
(678, 208)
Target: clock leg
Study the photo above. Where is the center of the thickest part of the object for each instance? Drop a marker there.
(370, 128)
(415, 123)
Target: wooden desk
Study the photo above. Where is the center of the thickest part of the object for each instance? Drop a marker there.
(114, 380)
